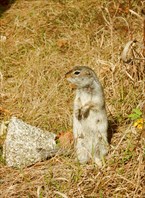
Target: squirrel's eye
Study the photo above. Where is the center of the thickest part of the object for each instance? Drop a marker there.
(77, 72)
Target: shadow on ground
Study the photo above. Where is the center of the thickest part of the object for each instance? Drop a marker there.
(5, 5)
(112, 128)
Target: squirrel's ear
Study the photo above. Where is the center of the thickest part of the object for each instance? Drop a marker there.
(88, 73)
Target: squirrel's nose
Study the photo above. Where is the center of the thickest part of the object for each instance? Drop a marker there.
(68, 74)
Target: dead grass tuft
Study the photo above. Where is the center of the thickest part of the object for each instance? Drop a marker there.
(40, 41)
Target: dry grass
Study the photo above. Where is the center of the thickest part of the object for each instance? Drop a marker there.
(44, 39)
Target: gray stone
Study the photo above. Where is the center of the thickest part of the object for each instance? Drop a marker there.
(25, 144)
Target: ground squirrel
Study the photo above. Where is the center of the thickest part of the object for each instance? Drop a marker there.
(89, 118)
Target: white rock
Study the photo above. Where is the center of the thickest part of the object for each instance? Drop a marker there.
(26, 144)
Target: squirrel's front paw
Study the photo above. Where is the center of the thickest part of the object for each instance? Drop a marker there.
(85, 112)
(82, 113)
(78, 114)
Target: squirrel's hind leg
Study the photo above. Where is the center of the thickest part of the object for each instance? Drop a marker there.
(81, 151)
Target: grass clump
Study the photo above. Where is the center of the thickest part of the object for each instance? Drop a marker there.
(43, 40)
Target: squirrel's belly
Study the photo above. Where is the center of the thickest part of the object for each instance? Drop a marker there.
(95, 122)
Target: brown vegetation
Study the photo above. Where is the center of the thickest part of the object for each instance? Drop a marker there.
(40, 41)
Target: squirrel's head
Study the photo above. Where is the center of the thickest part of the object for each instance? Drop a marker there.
(81, 76)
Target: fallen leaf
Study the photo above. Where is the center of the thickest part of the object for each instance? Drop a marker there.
(65, 139)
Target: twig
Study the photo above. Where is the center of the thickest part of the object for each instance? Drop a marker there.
(125, 51)
(136, 14)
